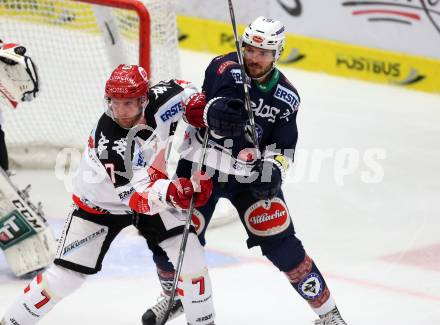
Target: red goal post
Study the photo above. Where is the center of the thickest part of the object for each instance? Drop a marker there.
(144, 25)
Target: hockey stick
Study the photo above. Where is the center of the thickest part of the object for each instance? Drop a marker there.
(246, 84)
(185, 234)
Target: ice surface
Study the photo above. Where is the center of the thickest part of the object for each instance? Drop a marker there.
(378, 244)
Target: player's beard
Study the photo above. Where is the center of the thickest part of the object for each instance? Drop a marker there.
(129, 122)
(257, 71)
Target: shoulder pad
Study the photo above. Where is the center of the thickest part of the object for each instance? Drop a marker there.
(159, 94)
(164, 90)
(188, 88)
(225, 62)
(226, 65)
(182, 83)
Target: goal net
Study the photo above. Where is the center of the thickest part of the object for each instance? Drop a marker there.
(75, 45)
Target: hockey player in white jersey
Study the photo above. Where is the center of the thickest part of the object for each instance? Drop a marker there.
(122, 181)
(25, 237)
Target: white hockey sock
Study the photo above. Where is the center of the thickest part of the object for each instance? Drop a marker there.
(195, 292)
(329, 305)
(194, 287)
(42, 294)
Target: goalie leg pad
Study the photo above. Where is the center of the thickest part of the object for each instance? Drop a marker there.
(32, 254)
(25, 237)
(194, 288)
(42, 294)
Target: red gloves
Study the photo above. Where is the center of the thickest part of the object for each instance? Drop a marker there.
(181, 190)
(194, 108)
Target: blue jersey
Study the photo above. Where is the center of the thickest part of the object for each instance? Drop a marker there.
(274, 104)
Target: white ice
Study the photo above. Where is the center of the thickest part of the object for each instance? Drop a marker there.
(378, 244)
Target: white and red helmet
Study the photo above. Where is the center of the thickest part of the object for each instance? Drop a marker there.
(266, 33)
(127, 82)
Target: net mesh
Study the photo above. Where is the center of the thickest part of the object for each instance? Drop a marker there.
(75, 55)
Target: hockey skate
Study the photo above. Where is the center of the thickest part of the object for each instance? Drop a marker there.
(155, 314)
(333, 317)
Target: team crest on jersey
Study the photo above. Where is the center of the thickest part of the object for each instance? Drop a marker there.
(236, 74)
(288, 96)
(198, 221)
(248, 132)
(267, 219)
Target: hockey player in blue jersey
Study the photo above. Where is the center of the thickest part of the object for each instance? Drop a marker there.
(255, 191)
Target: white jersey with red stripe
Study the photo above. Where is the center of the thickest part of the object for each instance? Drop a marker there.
(120, 164)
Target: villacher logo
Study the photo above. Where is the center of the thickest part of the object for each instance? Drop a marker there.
(401, 12)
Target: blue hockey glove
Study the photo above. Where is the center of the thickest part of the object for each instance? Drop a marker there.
(271, 174)
(226, 116)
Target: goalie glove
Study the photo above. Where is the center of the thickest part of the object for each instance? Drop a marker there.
(18, 75)
(271, 172)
